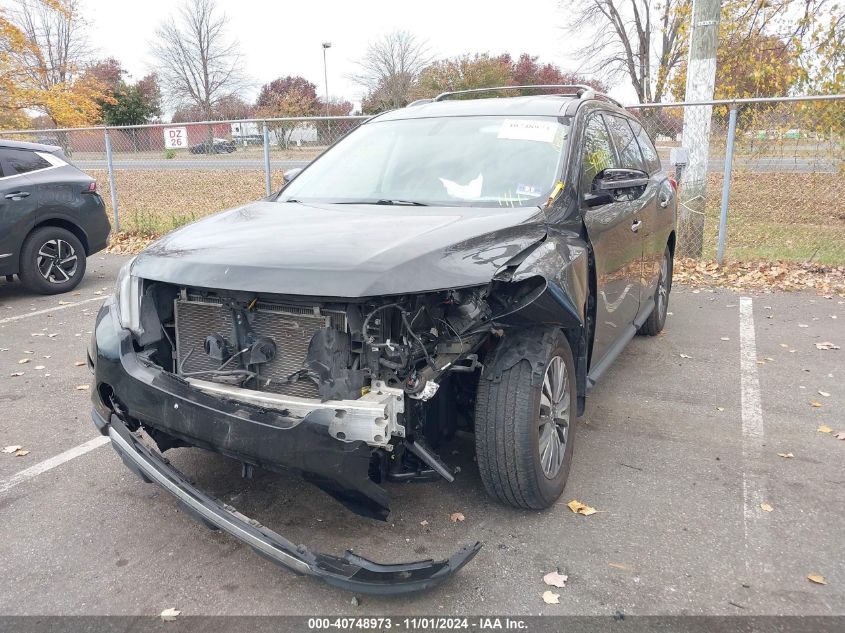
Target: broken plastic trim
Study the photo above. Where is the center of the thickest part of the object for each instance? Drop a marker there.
(350, 572)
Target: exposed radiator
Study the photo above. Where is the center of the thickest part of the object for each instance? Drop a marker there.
(291, 327)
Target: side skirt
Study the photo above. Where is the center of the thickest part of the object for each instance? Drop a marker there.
(620, 344)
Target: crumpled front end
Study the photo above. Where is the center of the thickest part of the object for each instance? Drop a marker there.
(132, 395)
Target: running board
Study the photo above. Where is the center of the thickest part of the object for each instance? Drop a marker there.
(620, 344)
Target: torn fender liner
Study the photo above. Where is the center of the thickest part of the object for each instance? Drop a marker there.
(350, 572)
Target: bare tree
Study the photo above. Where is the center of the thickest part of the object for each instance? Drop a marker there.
(643, 39)
(390, 69)
(198, 64)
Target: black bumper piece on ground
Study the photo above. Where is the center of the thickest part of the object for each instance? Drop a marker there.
(351, 572)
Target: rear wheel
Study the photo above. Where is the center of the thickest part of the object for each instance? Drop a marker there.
(52, 261)
(525, 427)
(657, 319)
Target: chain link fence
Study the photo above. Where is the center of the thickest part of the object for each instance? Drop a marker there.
(777, 183)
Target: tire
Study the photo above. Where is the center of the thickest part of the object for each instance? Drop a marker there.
(52, 261)
(657, 319)
(508, 429)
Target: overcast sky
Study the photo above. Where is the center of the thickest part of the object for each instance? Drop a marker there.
(284, 38)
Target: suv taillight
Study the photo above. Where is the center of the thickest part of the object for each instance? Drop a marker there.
(92, 187)
(674, 184)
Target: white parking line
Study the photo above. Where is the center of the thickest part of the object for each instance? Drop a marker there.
(753, 436)
(48, 310)
(49, 464)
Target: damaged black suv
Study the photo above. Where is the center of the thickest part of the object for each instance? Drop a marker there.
(459, 264)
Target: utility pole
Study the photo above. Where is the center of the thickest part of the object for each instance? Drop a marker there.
(701, 82)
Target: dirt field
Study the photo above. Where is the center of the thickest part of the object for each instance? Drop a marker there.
(789, 216)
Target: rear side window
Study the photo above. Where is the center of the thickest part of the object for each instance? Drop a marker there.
(598, 152)
(652, 160)
(626, 144)
(23, 161)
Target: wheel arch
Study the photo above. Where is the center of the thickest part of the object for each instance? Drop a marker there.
(66, 224)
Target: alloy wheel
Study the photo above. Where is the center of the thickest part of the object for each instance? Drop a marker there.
(663, 286)
(554, 417)
(57, 261)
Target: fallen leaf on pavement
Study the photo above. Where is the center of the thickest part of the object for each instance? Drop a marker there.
(168, 615)
(826, 345)
(82, 387)
(423, 523)
(824, 394)
(550, 597)
(581, 508)
(840, 435)
(720, 408)
(23, 361)
(621, 566)
(21, 453)
(39, 367)
(456, 516)
(765, 507)
(17, 373)
(555, 579)
(79, 363)
(803, 325)
(726, 338)
(786, 455)
(825, 429)
(12, 449)
(817, 578)
(684, 355)
(815, 404)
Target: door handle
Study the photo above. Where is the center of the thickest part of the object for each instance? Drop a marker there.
(636, 225)
(17, 195)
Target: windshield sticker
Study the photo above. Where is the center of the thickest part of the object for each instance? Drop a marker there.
(470, 191)
(529, 190)
(529, 130)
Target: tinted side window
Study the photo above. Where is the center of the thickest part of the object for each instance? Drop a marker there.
(652, 160)
(626, 144)
(598, 152)
(23, 161)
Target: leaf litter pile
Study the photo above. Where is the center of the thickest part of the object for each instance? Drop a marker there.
(776, 275)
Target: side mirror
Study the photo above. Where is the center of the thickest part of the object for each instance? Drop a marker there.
(616, 185)
(613, 179)
(290, 174)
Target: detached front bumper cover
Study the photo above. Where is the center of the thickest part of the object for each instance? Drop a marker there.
(351, 572)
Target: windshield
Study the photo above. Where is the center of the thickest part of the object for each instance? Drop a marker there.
(448, 161)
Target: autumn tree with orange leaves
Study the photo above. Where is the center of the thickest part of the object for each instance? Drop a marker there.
(43, 52)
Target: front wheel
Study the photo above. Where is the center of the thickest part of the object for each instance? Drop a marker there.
(525, 427)
(657, 319)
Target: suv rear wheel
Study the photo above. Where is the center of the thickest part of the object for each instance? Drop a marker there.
(525, 427)
(657, 319)
(52, 261)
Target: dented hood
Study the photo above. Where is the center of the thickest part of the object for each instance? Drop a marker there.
(337, 250)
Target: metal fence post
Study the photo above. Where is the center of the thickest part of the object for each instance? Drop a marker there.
(112, 187)
(726, 185)
(268, 181)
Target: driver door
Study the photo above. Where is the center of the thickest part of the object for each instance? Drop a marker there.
(613, 229)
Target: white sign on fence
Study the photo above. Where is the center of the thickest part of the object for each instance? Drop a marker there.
(175, 137)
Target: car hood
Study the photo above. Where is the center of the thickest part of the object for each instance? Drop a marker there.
(332, 250)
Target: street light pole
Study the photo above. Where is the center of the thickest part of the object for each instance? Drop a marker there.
(326, 45)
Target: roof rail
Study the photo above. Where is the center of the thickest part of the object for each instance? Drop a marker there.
(576, 90)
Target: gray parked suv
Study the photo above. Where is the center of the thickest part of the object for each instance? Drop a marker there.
(51, 217)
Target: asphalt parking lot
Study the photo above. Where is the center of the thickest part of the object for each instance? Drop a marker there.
(677, 451)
